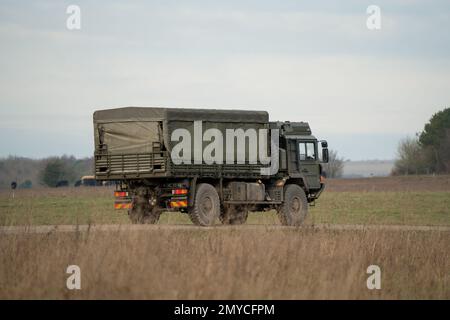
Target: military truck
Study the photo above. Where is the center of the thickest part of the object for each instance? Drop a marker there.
(214, 165)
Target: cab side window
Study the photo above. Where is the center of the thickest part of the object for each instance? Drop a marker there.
(302, 149)
(307, 151)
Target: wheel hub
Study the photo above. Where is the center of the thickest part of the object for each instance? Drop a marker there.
(207, 205)
(296, 205)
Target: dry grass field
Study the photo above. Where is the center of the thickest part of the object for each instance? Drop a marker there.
(226, 264)
(233, 263)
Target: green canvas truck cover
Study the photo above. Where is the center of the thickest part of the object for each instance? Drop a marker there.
(134, 129)
(159, 114)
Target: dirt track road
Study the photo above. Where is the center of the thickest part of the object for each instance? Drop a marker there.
(129, 227)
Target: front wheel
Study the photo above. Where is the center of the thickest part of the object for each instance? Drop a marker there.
(206, 208)
(294, 209)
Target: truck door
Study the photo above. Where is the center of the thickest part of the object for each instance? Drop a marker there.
(308, 162)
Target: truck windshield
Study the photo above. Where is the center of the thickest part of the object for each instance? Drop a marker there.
(307, 151)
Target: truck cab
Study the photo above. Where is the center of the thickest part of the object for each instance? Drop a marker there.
(303, 155)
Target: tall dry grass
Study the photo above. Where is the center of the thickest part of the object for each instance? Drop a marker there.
(226, 264)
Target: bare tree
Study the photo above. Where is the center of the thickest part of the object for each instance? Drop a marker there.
(412, 158)
(335, 165)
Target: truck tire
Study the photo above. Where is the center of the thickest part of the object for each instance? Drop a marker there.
(141, 211)
(206, 208)
(294, 209)
(234, 215)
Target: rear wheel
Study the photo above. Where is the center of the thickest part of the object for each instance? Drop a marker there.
(294, 209)
(206, 208)
(234, 215)
(141, 211)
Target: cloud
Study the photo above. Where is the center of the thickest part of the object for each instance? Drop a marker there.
(299, 61)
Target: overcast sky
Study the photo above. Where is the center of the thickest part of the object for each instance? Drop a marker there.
(314, 61)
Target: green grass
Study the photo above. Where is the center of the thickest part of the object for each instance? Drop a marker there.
(96, 207)
(408, 208)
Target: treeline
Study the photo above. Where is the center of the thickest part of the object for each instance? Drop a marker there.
(429, 151)
(28, 173)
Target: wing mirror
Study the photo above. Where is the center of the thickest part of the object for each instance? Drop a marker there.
(325, 156)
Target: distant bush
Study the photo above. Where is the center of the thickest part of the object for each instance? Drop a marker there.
(54, 171)
(411, 158)
(429, 152)
(435, 139)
